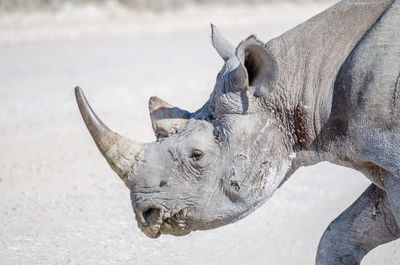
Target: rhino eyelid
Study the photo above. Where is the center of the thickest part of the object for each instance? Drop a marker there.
(196, 155)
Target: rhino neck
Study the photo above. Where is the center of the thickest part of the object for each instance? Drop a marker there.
(309, 58)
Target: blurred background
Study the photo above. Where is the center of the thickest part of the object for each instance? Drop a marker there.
(60, 203)
(30, 5)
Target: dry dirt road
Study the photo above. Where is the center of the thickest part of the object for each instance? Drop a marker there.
(59, 201)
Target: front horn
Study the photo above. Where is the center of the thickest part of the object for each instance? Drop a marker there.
(121, 153)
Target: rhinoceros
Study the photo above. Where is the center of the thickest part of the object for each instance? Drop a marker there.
(326, 90)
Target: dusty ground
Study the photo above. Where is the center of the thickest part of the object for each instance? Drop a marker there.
(59, 201)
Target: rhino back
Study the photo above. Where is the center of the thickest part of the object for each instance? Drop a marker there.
(366, 99)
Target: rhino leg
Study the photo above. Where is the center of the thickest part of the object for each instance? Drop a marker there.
(366, 224)
(392, 186)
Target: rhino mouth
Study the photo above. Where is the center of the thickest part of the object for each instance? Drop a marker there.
(155, 221)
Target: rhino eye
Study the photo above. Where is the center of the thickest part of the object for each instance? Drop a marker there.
(196, 155)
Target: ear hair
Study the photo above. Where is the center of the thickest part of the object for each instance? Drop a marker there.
(261, 66)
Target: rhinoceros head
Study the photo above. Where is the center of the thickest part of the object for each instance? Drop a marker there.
(207, 168)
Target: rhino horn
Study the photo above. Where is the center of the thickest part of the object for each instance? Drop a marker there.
(121, 153)
(225, 49)
(166, 119)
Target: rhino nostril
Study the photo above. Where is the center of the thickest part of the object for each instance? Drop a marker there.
(147, 213)
(163, 183)
(151, 216)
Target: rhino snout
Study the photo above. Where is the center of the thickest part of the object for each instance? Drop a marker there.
(154, 221)
(150, 220)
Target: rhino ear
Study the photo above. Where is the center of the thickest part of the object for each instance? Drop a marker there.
(225, 49)
(261, 66)
(165, 118)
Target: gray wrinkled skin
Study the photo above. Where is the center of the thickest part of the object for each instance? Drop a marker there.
(326, 90)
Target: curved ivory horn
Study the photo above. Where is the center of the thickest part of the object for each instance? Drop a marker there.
(166, 119)
(121, 153)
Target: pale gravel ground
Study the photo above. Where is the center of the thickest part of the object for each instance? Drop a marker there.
(59, 201)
